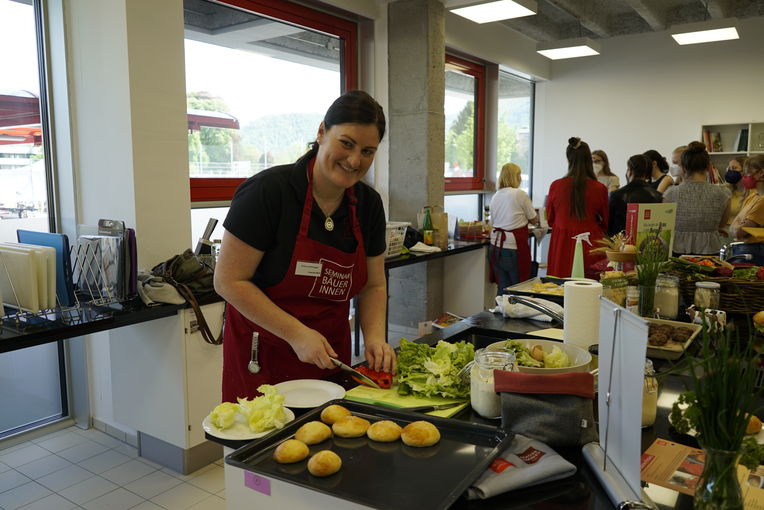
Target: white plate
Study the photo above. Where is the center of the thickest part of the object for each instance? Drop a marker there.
(308, 393)
(240, 429)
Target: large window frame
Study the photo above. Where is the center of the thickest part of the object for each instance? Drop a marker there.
(222, 189)
(477, 181)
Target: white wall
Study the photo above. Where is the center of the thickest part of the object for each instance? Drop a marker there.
(645, 92)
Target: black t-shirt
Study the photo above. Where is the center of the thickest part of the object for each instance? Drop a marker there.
(267, 208)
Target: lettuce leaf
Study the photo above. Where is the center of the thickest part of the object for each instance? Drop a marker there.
(264, 412)
(556, 359)
(432, 371)
(224, 415)
(522, 354)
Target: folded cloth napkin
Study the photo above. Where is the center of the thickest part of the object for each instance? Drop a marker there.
(520, 311)
(526, 462)
(421, 247)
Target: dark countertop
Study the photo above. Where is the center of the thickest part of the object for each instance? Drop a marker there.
(87, 318)
(579, 492)
(454, 248)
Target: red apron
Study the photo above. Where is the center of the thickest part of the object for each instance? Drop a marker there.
(523, 252)
(320, 302)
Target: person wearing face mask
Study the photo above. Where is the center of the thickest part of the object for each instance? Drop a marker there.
(733, 177)
(658, 177)
(638, 190)
(601, 167)
(752, 211)
(675, 169)
(702, 208)
(300, 241)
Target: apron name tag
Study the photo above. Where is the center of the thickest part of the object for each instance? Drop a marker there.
(303, 268)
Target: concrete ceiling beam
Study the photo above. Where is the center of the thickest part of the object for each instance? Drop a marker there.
(654, 12)
(721, 8)
(591, 17)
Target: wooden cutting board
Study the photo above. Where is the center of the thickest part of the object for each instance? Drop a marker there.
(391, 398)
(19, 268)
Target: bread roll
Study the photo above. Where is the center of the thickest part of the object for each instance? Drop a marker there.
(350, 426)
(384, 431)
(324, 463)
(332, 413)
(290, 451)
(313, 432)
(420, 433)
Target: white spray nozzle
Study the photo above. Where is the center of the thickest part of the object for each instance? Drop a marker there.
(583, 236)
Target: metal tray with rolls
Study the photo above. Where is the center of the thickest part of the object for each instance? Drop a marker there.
(385, 475)
(526, 288)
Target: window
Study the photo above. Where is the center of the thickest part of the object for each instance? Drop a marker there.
(31, 389)
(259, 76)
(464, 109)
(514, 143)
(23, 171)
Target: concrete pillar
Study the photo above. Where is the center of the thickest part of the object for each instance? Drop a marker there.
(416, 51)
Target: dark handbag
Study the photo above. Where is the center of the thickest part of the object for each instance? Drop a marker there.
(193, 279)
(557, 409)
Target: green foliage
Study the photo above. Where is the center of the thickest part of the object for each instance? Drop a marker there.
(460, 138)
(433, 371)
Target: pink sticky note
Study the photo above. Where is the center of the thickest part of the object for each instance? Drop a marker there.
(258, 483)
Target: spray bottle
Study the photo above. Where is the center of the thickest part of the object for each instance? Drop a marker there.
(578, 255)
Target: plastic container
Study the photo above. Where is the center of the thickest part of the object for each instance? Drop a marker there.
(396, 233)
(632, 298)
(707, 295)
(667, 297)
(483, 398)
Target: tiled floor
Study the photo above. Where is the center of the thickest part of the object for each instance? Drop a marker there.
(75, 468)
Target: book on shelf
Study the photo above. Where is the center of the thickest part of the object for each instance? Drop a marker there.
(707, 140)
(742, 140)
(716, 144)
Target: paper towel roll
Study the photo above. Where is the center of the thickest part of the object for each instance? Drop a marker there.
(582, 312)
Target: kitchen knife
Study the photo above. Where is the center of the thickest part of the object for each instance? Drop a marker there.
(434, 407)
(356, 373)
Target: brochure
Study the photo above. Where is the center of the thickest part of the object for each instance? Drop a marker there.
(678, 467)
(651, 222)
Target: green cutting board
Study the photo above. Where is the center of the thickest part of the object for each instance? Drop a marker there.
(391, 398)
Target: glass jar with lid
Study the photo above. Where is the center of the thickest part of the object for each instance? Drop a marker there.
(483, 398)
(667, 296)
(649, 395)
(707, 295)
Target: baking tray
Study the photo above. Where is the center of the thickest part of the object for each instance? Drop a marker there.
(524, 288)
(672, 350)
(386, 475)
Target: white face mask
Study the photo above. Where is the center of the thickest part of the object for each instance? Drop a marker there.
(675, 171)
(597, 167)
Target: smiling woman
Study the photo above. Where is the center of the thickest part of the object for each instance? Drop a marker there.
(301, 240)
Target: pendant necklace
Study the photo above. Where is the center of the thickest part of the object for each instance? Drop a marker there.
(329, 224)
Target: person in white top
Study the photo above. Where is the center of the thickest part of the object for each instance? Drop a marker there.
(511, 211)
(601, 167)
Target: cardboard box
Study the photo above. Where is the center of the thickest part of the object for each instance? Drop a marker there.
(644, 221)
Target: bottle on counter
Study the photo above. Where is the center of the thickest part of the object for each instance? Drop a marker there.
(632, 299)
(483, 398)
(427, 228)
(667, 296)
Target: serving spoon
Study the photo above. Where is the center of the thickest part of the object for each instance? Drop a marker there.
(253, 366)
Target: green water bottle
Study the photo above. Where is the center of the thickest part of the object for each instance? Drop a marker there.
(427, 229)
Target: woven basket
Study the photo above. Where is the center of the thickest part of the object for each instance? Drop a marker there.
(736, 296)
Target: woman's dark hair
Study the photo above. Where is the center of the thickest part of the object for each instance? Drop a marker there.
(654, 155)
(605, 162)
(640, 167)
(353, 107)
(695, 158)
(579, 169)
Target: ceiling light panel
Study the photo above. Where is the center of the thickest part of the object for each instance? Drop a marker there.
(569, 48)
(487, 12)
(706, 31)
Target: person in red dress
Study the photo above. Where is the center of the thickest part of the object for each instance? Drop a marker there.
(576, 203)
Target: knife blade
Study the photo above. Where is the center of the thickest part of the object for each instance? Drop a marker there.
(356, 373)
(434, 407)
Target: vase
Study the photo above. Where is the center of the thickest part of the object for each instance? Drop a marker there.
(646, 300)
(718, 487)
